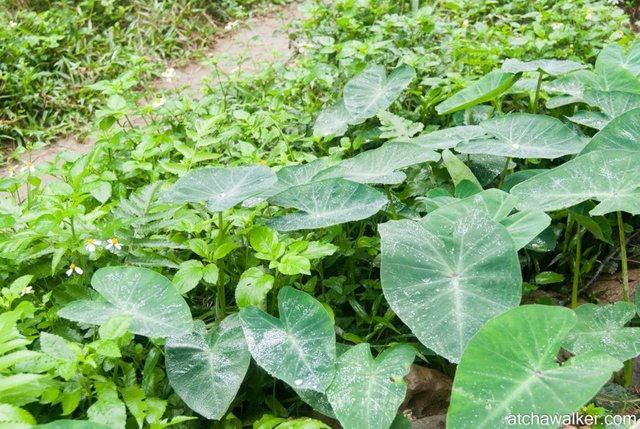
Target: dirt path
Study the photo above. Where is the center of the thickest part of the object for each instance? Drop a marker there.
(243, 48)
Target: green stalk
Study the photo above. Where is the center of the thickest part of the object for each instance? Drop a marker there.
(504, 172)
(576, 269)
(534, 106)
(392, 206)
(628, 365)
(623, 259)
(221, 299)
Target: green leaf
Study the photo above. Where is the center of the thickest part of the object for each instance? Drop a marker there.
(595, 120)
(110, 411)
(551, 67)
(300, 347)
(614, 55)
(15, 417)
(263, 239)
(612, 103)
(221, 188)
(510, 368)
(601, 328)
(371, 92)
(253, 288)
(446, 275)
(485, 89)
(608, 176)
(291, 265)
(621, 133)
(525, 226)
(380, 165)
(206, 369)
(326, 203)
(115, 327)
(448, 138)
(58, 348)
(188, 276)
(153, 303)
(394, 126)
(458, 170)
(334, 121)
(548, 278)
(523, 135)
(367, 392)
(100, 190)
(73, 424)
(210, 273)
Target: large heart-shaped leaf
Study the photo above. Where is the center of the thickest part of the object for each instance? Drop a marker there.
(608, 176)
(447, 275)
(380, 165)
(590, 119)
(498, 205)
(150, 299)
(326, 203)
(523, 135)
(612, 103)
(486, 88)
(334, 121)
(621, 133)
(372, 91)
(221, 188)
(300, 347)
(601, 328)
(510, 368)
(367, 392)
(551, 67)
(449, 137)
(614, 55)
(206, 369)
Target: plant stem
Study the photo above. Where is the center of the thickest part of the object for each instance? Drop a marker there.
(628, 365)
(504, 172)
(221, 299)
(576, 269)
(534, 106)
(392, 206)
(623, 259)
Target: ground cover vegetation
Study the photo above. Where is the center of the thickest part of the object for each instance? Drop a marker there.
(431, 183)
(52, 51)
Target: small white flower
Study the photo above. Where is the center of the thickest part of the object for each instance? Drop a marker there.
(465, 23)
(13, 24)
(12, 170)
(168, 74)
(28, 166)
(617, 34)
(73, 268)
(91, 244)
(589, 16)
(113, 243)
(231, 25)
(158, 102)
(557, 25)
(26, 291)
